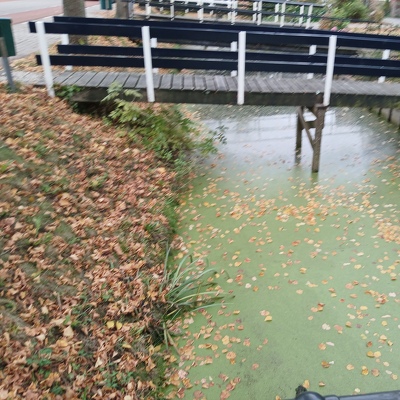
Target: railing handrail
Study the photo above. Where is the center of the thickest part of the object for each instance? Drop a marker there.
(167, 58)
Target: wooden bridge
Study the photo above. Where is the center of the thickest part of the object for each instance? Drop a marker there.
(228, 64)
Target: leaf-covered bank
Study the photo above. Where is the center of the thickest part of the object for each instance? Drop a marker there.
(85, 216)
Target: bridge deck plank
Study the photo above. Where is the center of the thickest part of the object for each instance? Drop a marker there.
(166, 82)
(199, 82)
(221, 83)
(85, 78)
(231, 83)
(221, 89)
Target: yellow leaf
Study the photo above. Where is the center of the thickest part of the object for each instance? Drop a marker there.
(321, 384)
(325, 364)
(126, 345)
(62, 343)
(377, 354)
(110, 324)
(225, 340)
(349, 367)
(364, 370)
(306, 384)
(118, 325)
(370, 354)
(268, 318)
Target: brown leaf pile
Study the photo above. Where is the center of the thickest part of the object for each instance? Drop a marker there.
(80, 255)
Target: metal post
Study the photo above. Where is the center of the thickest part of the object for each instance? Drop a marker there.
(311, 51)
(6, 65)
(241, 67)
(385, 56)
(310, 10)
(301, 15)
(330, 65)
(283, 14)
(148, 64)
(277, 12)
(44, 54)
(172, 9)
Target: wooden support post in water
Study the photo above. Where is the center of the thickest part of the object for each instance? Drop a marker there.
(299, 129)
(319, 126)
(319, 110)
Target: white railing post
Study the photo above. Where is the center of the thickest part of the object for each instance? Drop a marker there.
(154, 44)
(283, 14)
(301, 15)
(260, 8)
(200, 13)
(234, 6)
(172, 9)
(65, 40)
(241, 67)
(234, 48)
(310, 10)
(255, 8)
(385, 56)
(330, 65)
(311, 52)
(148, 64)
(44, 54)
(148, 8)
(277, 6)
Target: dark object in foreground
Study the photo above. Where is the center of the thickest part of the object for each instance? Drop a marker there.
(302, 394)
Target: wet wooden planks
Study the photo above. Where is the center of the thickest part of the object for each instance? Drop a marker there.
(221, 89)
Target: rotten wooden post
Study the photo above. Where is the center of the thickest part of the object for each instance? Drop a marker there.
(299, 129)
(319, 126)
(319, 111)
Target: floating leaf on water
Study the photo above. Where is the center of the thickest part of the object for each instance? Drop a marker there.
(375, 372)
(325, 364)
(349, 367)
(364, 370)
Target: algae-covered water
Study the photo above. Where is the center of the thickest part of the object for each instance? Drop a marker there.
(309, 263)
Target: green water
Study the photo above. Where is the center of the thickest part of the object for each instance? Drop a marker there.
(309, 264)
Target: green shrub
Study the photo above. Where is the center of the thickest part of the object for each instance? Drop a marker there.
(162, 128)
(345, 11)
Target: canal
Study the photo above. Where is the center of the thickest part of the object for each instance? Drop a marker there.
(309, 264)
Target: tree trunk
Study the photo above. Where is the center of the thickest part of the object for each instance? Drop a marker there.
(122, 9)
(75, 8)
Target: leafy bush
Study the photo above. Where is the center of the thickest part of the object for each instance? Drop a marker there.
(161, 128)
(345, 11)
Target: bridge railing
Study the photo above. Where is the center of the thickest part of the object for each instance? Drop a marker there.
(256, 50)
(257, 11)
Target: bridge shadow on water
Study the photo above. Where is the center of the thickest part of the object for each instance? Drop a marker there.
(308, 263)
